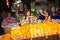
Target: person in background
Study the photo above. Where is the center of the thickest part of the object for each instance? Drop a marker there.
(9, 19)
(58, 11)
(49, 8)
(34, 11)
(53, 10)
(19, 9)
(24, 8)
(56, 14)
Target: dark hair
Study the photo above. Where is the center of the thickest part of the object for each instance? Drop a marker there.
(8, 13)
(26, 13)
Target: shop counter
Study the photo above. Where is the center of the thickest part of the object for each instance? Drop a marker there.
(41, 31)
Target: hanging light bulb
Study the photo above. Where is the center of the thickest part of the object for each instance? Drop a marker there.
(18, 1)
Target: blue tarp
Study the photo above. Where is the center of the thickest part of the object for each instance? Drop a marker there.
(53, 17)
(41, 17)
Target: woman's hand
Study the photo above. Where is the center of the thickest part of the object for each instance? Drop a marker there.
(41, 12)
(46, 14)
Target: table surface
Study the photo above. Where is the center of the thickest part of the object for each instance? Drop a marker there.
(10, 25)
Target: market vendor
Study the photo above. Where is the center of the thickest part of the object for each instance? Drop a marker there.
(44, 15)
(9, 19)
(28, 18)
